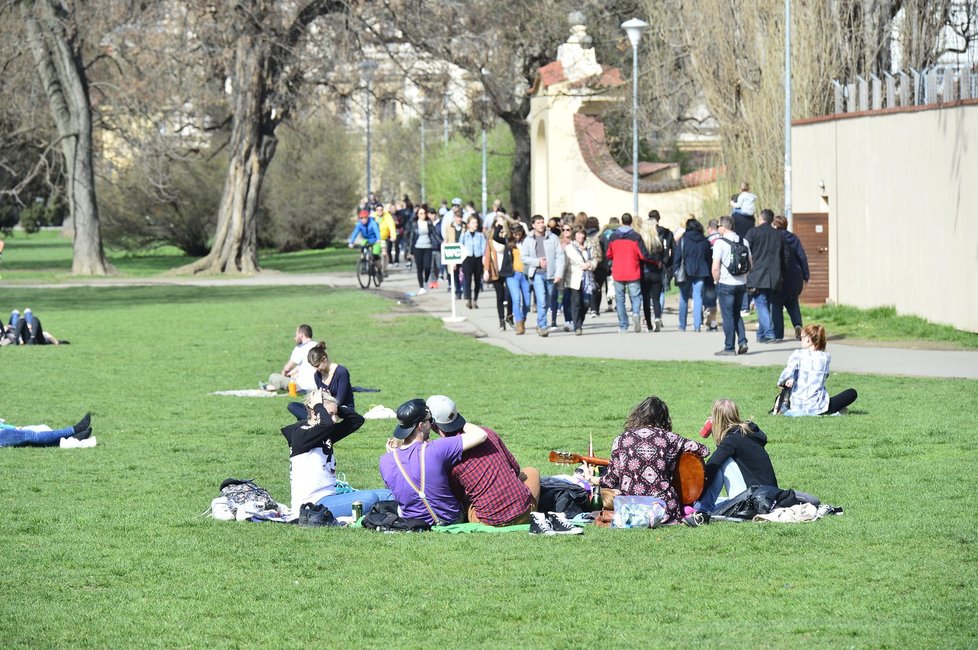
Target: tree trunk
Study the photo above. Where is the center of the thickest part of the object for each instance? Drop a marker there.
(62, 72)
(519, 187)
(252, 146)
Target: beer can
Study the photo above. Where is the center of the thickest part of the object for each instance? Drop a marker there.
(357, 510)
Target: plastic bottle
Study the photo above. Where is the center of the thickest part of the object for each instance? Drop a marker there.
(293, 389)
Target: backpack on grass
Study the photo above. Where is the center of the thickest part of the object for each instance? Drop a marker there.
(247, 495)
(739, 257)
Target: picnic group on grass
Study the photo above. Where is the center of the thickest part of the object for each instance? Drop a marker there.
(441, 469)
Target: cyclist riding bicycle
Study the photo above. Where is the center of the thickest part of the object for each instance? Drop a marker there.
(367, 234)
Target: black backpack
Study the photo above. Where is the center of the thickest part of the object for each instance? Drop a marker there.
(739, 257)
(383, 517)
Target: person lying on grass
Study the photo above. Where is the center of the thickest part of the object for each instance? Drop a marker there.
(805, 375)
(26, 330)
(417, 470)
(644, 457)
(312, 463)
(488, 480)
(42, 435)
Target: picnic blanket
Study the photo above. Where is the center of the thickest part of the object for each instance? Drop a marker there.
(248, 392)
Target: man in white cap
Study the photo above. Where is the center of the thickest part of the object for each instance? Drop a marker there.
(496, 491)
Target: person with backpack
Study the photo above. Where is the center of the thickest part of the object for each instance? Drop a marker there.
(731, 262)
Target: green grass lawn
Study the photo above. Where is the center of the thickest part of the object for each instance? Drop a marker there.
(104, 547)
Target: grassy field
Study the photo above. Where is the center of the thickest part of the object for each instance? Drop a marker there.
(104, 547)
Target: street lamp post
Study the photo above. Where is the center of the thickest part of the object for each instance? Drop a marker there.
(423, 104)
(367, 69)
(787, 111)
(485, 120)
(634, 29)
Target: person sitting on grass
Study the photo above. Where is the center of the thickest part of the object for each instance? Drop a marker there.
(26, 331)
(739, 460)
(492, 487)
(297, 368)
(417, 470)
(328, 376)
(805, 375)
(43, 435)
(312, 463)
(644, 457)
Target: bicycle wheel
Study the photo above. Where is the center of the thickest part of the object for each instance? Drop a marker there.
(378, 276)
(363, 273)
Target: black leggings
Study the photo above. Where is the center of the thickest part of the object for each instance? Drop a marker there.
(503, 308)
(650, 297)
(22, 333)
(840, 401)
(422, 262)
(472, 277)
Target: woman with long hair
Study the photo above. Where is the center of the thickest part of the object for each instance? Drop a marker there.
(497, 266)
(740, 459)
(578, 277)
(644, 457)
(693, 256)
(651, 280)
(517, 282)
(425, 238)
(805, 375)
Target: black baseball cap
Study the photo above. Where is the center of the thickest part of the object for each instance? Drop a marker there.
(409, 415)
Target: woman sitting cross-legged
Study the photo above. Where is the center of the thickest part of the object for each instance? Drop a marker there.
(806, 373)
(644, 457)
(312, 462)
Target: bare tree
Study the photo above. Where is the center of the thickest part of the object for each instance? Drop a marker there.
(260, 42)
(56, 42)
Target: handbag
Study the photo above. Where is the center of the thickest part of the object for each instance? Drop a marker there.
(680, 274)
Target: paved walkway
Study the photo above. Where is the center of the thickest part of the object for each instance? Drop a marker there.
(601, 338)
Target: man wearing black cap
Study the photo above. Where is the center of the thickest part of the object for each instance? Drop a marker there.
(416, 470)
(496, 491)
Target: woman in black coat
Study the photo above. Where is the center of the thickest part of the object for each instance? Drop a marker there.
(693, 254)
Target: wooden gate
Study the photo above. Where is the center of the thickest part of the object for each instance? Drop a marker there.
(812, 228)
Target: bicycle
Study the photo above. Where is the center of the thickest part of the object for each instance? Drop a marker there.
(368, 269)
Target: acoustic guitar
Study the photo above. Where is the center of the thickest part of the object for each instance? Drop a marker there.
(687, 481)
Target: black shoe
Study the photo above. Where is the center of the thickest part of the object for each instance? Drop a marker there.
(81, 435)
(540, 524)
(560, 526)
(742, 349)
(84, 423)
(697, 519)
(316, 516)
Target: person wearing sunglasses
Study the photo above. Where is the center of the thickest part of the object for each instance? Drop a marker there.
(417, 470)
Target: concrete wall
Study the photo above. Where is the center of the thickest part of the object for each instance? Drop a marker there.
(901, 190)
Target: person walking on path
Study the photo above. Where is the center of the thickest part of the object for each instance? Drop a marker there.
(731, 289)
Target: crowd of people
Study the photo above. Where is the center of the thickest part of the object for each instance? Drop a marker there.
(560, 268)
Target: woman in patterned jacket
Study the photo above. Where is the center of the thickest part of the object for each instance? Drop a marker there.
(644, 457)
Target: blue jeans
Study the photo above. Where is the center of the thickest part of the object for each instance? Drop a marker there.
(729, 477)
(519, 295)
(543, 289)
(28, 438)
(694, 287)
(769, 314)
(634, 294)
(730, 296)
(341, 505)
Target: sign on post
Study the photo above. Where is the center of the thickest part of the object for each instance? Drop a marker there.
(452, 254)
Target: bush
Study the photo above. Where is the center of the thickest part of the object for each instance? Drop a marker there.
(40, 214)
(310, 189)
(177, 207)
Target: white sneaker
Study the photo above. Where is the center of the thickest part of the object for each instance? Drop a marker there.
(540, 524)
(422, 291)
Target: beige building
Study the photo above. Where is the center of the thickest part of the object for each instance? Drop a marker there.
(572, 168)
(887, 202)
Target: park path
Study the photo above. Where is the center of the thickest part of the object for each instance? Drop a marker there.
(601, 338)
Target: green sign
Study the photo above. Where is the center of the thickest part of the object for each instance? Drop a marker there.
(452, 253)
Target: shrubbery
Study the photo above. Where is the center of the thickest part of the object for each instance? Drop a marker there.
(311, 188)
